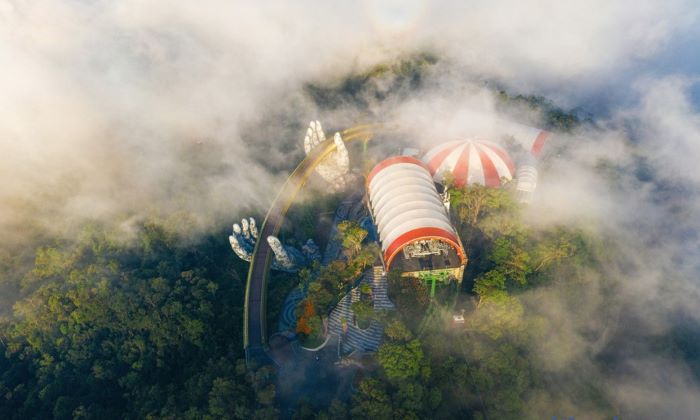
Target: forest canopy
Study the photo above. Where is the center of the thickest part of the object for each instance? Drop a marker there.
(146, 328)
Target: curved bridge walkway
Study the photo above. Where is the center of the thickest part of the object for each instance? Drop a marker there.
(255, 311)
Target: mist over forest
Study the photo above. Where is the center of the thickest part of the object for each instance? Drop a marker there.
(134, 134)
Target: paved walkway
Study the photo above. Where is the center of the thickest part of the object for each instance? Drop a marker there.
(354, 338)
(255, 311)
(288, 319)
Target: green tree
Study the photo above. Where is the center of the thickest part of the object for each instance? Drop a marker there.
(410, 296)
(554, 248)
(126, 329)
(372, 401)
(352, 236)
(401, 361)
(364, 312)
(337, 410)
(498, 315)
(397, 331)
(471, 203)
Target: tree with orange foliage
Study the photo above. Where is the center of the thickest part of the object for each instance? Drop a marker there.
(303, 326)
(308, 312)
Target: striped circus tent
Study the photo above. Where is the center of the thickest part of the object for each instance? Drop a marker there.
(530, 138)
(470, 162)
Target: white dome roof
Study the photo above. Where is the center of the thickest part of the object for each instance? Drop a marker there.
(406, 206)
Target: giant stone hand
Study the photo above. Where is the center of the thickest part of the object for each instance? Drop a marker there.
(243, 238)
(287, 258)
(334, 167)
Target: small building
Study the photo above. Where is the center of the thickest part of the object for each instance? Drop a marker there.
(414, 229)
(458, 319)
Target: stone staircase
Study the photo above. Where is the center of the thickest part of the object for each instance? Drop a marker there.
(355, 338)
(380, 289)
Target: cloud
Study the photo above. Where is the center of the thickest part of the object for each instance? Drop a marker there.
(116, 110)
(633, 180)
(105, 101)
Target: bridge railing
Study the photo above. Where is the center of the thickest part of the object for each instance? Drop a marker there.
(291, 187)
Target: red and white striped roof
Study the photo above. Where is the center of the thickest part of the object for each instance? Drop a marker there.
(470, 162)
(530, 138)
(406, 206)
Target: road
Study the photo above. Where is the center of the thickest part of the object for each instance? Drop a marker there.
(255, 328)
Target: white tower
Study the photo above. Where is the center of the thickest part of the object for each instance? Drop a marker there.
(527, 182)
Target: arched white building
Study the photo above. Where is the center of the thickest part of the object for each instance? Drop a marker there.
(414, 229)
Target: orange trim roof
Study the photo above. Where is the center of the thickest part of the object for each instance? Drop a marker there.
(420, 234)
(393, 161)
